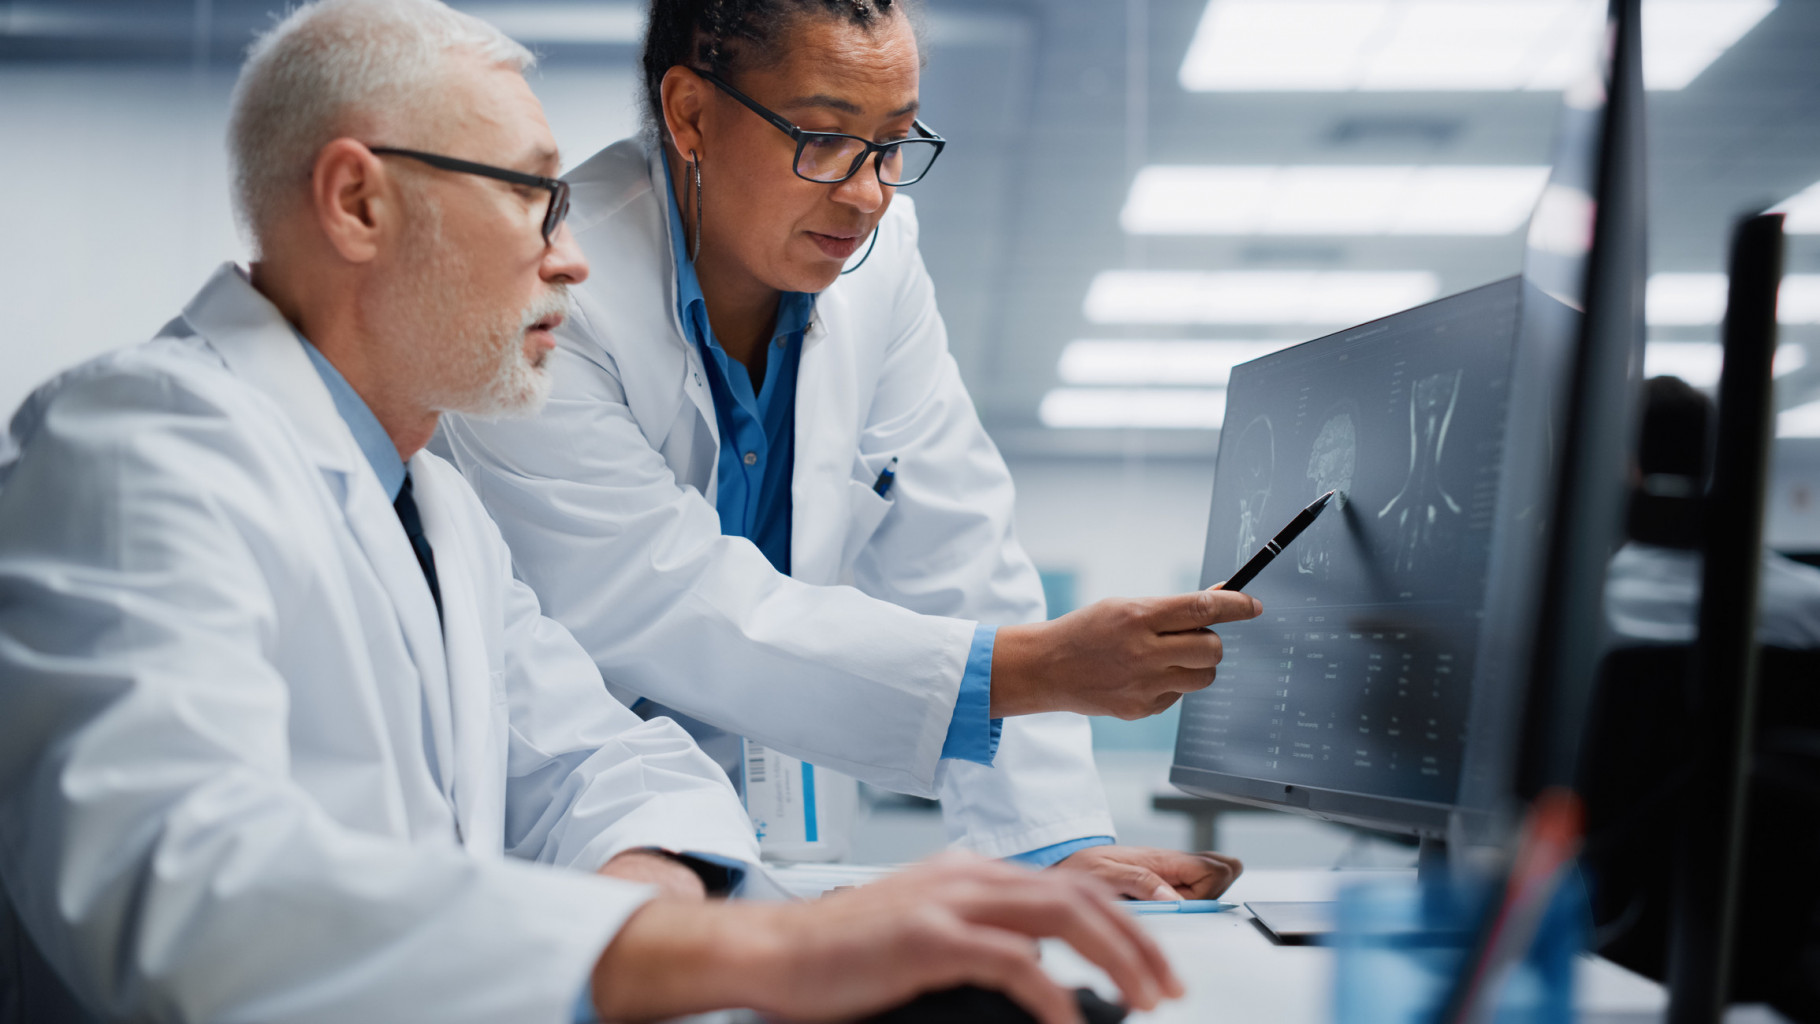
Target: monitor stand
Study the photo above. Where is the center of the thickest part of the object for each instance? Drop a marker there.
(1306, 922)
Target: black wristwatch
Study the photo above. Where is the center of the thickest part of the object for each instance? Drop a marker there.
(717, 879)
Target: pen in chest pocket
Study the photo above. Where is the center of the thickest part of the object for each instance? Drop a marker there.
(886, 477)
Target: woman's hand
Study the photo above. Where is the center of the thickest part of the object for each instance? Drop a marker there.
(1123, 657)
(1146, 873)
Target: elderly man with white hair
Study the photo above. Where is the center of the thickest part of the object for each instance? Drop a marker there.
(281, 738)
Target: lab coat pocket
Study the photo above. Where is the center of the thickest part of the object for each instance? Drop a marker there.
(865, 511)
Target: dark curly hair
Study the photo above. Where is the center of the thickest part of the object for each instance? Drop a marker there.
(727, 36)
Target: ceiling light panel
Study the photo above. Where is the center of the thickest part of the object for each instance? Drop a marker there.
(1323, 297)
(1698, 300)
(1323, 200)
(1800, 421)
(1803, 210)
(1453, 45)
(1158, 362)
(1152, 408)
(532, 23)
(1699, 362)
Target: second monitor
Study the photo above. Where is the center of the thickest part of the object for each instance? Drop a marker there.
(1349, 697)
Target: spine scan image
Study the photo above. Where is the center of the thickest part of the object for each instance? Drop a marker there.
(1422, 510)
(1254, 464)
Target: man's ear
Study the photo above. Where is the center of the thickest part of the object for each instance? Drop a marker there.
(683, 96)
(353, 199)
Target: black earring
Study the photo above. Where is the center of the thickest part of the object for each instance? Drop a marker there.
(863, 259)
(695, 172)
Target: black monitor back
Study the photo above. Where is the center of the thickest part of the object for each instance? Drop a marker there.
(1560, 491)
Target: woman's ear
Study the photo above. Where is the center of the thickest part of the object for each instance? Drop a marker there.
(683, 97)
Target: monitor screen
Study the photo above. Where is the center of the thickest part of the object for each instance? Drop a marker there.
(1349, 697)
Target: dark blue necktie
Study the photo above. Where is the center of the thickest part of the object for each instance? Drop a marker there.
(406, 507)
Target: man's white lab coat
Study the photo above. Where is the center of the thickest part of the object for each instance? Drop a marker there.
(607, 500)
(244, 775)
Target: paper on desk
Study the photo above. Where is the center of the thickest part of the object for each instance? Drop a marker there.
(811, 880)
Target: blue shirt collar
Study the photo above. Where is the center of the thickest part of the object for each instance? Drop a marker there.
(794, 309)
(374, 442)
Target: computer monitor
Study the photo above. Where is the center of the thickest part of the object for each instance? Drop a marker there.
(1508, 587)
(1349, 698)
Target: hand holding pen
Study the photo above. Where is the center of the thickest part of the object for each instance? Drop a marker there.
(1275, 545)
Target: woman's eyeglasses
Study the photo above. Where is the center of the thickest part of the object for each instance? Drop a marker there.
(829, 158)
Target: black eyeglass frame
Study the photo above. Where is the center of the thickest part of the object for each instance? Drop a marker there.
(802, 137)
(554, 215)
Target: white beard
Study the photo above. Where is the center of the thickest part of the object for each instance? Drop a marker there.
(476, 364)
(516, 387)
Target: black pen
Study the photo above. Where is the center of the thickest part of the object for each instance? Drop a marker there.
(1275, 545)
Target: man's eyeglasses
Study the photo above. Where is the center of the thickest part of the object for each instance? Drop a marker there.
(558, 189)
(828, 158)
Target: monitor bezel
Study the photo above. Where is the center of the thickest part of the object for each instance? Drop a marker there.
(1376, 811)
(1366, 810)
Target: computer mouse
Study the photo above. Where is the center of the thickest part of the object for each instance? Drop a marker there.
(970, 1004)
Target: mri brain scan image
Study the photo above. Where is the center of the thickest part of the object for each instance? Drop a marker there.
(1331, 464)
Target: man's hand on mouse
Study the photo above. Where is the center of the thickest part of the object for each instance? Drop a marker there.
(954, 920)
(1147, 873)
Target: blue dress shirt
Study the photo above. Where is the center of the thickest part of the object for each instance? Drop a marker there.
(757, 460)
(374, 442)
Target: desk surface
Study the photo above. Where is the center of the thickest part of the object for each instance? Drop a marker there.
(1235, 975)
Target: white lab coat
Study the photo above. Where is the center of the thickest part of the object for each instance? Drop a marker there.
(607, 500)
(218, 665)
(1652, 596)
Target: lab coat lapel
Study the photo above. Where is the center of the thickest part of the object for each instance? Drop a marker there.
(825, 447)
(375, 525)
(631, 297)
(261, 348)
(695, 384)
(476, 720)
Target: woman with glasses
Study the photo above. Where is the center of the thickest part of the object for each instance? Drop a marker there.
(754, 404)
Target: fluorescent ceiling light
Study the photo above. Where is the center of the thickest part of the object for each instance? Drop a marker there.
(533, 23)
(1156, 408)
(1696, 362)
(1699, 362)
(1685, 300)
(1803, 209)
(1698, 300)
(1563, 221)
(1455, 45)
(1326, 297)
(1319, 200)
(1800, 421)
(1158, 362)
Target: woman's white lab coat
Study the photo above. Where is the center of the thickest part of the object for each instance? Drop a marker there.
(607, 500)
(242, 774)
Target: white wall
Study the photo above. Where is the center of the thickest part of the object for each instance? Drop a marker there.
(115, 206)
(113, 211)
(1124, 528)
(1129, 528)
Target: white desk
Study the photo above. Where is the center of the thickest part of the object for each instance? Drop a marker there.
(1235, 975)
